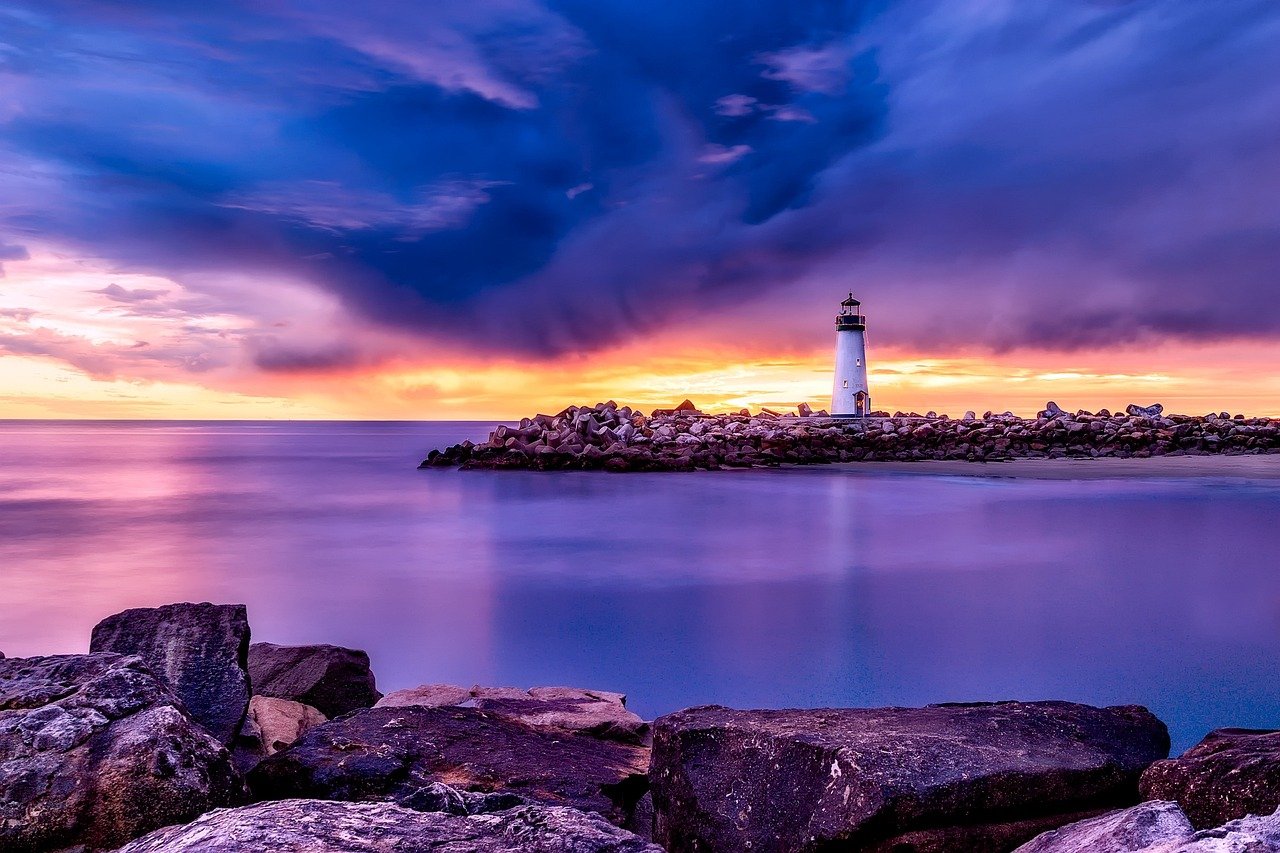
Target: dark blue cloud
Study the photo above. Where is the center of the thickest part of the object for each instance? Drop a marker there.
(553, 175)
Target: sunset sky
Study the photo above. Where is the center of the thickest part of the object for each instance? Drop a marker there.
(317, 208)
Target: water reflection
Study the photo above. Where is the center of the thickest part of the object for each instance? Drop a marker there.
(751, 588)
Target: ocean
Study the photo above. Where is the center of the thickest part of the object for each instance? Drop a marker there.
(816, 586)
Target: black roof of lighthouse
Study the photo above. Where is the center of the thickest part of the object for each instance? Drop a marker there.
(851, 302)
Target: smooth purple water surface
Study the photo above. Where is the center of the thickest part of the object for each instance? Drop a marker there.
(802, 587)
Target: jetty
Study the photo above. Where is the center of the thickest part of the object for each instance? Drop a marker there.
(610, 437)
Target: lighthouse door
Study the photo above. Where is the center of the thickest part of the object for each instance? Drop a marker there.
(860, 403)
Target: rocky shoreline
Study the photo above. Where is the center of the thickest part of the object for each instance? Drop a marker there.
(175, 734)
(617, 438)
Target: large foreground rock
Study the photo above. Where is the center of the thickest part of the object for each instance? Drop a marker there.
(331, 679)
(1159, 827)
(96, 750)
(315, 826)
(201, 650)
(951, 777)
(391, 753)
(598, 713)
(1229, 774)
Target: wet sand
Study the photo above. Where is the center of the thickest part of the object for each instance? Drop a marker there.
(1262, 468)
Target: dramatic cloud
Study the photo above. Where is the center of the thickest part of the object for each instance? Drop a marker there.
(116, 293)
(554, 176)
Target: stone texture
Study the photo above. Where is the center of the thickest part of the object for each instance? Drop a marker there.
(315, 826)
(1141, 827)
(948, 777)
(426, 696)
(1159, 827)
(331, 679)
(200, 650)
(594, 712)
(1229, 774)
(1252, 834)
(270, 726)
(439, 797)
(96, 750)
(390, 753)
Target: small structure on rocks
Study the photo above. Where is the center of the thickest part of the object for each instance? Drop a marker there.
(850, 394)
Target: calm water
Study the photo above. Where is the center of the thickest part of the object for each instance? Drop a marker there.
(771, 588)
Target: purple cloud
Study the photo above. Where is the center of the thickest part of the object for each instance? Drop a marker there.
(533, 177)
(116, 293)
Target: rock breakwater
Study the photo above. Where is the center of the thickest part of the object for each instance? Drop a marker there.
(99, 751)
(610, 437)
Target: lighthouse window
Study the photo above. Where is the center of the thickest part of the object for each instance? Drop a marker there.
(846, 383)
(859, 361)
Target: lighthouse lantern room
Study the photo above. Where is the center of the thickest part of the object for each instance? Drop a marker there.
(850, 396)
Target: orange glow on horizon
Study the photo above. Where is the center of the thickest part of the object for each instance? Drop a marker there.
(1185, 379)
(79, 340)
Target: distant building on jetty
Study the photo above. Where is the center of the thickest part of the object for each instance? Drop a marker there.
(850, 394)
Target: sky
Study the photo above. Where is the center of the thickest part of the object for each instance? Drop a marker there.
(485, 209)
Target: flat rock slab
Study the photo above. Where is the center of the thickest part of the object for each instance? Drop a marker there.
(598, 713)
(977, 777)
(1229, 774)
(391, 753)
(200, 650)
(96, 750)
(332, 679)
(316, 826)
(1159, 826)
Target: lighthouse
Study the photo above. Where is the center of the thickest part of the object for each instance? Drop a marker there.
(850, 396)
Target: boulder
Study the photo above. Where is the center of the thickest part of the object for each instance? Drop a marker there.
(1141, 827)
(390, 753)
(1152, 411)
(426, 696)
(944, 777)
(331, 679)
(316, 826)
(594, 712)
(1229, 774)
(1159, 827)
(270, 726)
(198, 649)
(96, 750)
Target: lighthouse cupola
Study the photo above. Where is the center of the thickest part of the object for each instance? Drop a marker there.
(851, 317)
(850, 395)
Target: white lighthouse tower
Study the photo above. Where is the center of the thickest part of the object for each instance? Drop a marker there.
(850, 396)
